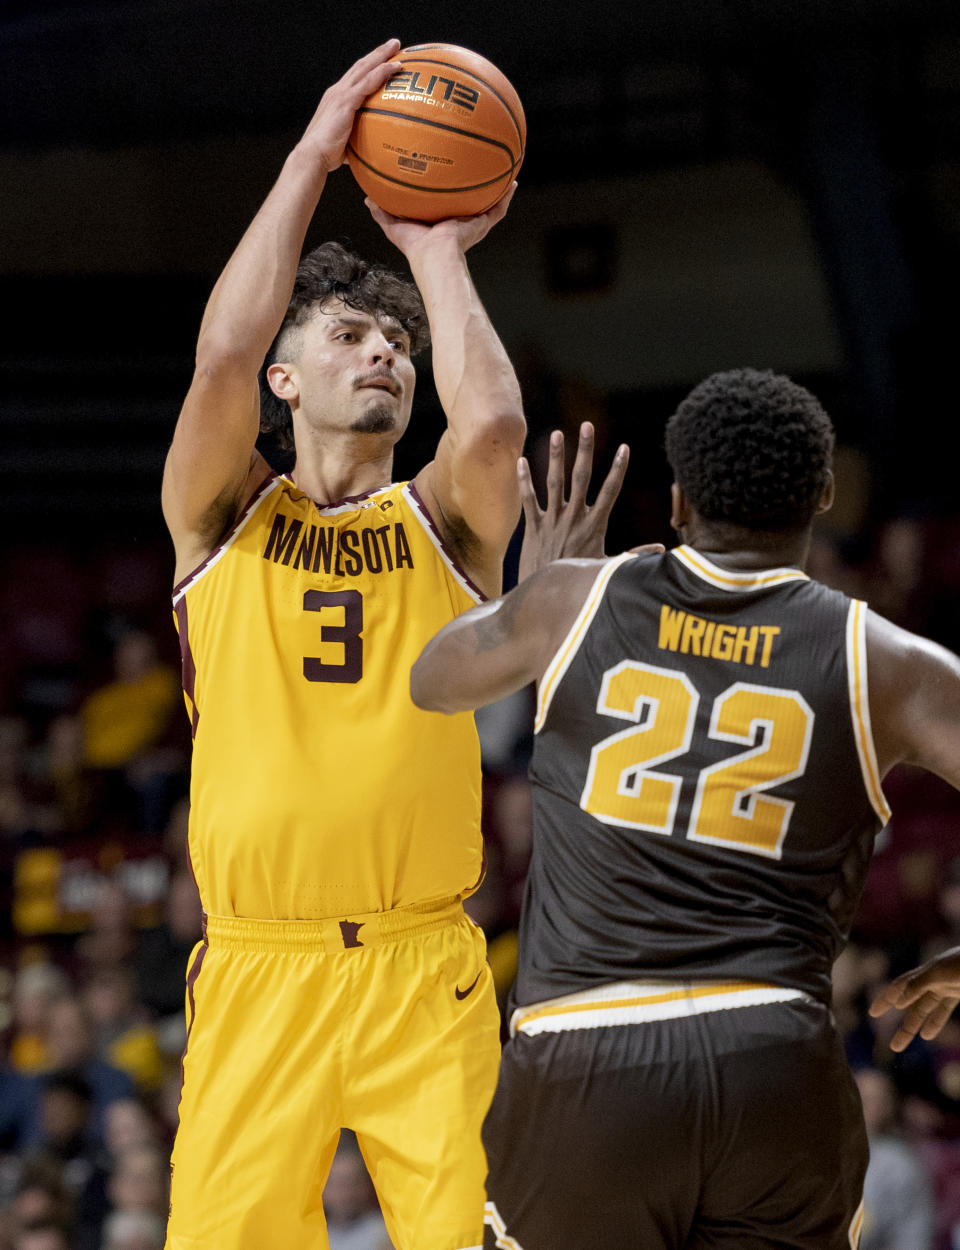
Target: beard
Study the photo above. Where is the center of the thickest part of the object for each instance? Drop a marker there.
(376, 420)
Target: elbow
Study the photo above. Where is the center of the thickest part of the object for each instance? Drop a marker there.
(426, 693)
(420, 691)
(513, 429)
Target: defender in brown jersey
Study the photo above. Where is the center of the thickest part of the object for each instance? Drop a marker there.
(712, 732)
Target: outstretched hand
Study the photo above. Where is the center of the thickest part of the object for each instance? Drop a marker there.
(927, 995)
(569, 528)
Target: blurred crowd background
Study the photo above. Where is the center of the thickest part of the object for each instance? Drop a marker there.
(709, 184)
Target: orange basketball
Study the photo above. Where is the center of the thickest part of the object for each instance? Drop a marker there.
(444, 137)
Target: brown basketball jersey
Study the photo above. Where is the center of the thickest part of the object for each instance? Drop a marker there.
(705, 785)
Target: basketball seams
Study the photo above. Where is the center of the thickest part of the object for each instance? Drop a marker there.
(462, 69)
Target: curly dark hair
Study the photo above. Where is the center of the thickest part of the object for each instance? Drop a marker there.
(330, 271)
(751, 449)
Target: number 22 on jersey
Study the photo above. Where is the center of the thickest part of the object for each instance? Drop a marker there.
(625, 785)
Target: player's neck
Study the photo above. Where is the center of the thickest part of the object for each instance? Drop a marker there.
(329, 476)
(745, 551)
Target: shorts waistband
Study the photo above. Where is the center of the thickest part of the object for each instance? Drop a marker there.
(353, 931)
(641, 1002)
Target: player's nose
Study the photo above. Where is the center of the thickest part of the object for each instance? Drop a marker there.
(381, 349)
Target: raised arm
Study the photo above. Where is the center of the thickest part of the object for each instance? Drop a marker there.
(471, 486)
(212, 465)
(497, 648)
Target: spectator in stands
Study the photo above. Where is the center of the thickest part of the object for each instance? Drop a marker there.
(127, 1126)
(66, 1110)
(64, 771)
(128, 1123)
(70, 1044)
(18, 1097)
(898, 589)
(35, 988)
(164, 951)
(41, 1196)
(898, 1209)
(140, 1181)
(354, 1221)
(123, 1035)
(130, 713)
(44, 1236)
(111, 938)
(133, 1230)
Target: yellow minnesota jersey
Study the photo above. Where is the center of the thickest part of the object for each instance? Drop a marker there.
(318, 788)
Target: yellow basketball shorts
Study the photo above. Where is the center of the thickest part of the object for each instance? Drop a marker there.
(386, 1024)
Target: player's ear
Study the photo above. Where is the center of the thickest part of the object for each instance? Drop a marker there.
(282, 383)
(829, 490)
(679, 508)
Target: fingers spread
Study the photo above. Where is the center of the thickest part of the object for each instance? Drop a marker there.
(582, 467)
(555, 473)
(607, 495)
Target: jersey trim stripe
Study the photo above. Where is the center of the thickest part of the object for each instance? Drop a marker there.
(493, 1219)
(422, 513)
(188, 669)
(637, 1002)
(860, 707)
(266, 487)
(192, 975)
(856, 1227)
(724, 579)
(565, 653)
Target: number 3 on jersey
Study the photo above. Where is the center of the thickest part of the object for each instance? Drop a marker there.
(347, 636)
(624, 785)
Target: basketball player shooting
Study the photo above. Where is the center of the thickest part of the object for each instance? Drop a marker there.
(334, 827)
(712, 729)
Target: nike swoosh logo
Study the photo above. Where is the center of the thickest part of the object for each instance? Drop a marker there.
(461, 994)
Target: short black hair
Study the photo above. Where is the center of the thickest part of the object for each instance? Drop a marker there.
(751, 448)
(332, 272)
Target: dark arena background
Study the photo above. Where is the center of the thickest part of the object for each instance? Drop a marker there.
(708, 184)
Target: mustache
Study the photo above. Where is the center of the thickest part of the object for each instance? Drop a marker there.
(379, 375)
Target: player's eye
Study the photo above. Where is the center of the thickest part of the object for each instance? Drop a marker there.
(400, 345)
(346, 336)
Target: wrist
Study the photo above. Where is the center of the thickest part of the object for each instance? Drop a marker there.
(309, 165)
(437, 246)
(436, 263)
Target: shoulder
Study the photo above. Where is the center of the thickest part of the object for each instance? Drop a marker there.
(192, 547)
(568, 580)
(914, 691)
(562, 592)
(893, 652)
